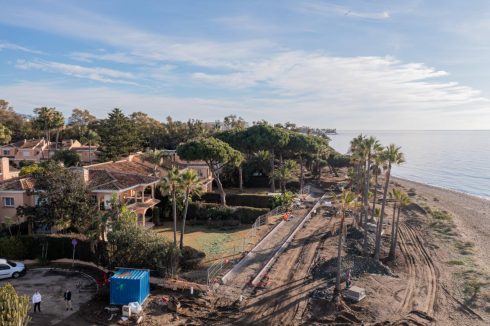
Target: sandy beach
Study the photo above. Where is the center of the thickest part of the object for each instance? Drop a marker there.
(471, 214)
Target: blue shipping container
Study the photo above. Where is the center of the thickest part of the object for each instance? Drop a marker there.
(129, 285)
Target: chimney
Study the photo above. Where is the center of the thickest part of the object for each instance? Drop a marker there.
(84, 173)
(4, 168)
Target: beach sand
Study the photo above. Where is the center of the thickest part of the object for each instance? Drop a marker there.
(471, 214)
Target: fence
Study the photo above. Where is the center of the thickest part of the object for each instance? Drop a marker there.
(215, 269)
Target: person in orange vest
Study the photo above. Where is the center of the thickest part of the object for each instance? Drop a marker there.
(285, 216)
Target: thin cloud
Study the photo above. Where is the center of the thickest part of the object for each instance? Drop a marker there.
(94, 73)
(326, 9)
(16, 47)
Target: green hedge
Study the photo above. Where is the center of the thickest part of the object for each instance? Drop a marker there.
(216, 212)
(248, 200)
(30, 247)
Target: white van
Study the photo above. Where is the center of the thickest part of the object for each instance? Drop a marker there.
(12, 269)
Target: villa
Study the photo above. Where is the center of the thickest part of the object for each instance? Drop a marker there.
(36, 150)
(132, 180)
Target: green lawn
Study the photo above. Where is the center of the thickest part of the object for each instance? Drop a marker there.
(212, 241)
(216, 242)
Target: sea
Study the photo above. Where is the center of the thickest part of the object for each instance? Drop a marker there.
(457, 160)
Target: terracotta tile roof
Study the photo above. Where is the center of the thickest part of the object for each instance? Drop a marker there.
(124, 167)
(27, 143)
(113, 181)
(17, 184)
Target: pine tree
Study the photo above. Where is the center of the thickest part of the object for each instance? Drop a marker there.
(118, 135)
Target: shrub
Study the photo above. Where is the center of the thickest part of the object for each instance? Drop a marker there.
(191, 258)
(285, 200)
(12, 248)
(215, 212)
(14, 308)
(250, 200)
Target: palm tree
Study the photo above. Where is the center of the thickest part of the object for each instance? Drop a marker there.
(357, 158)
(171, 185)
(347, 201)
(189, 181)
(377, 169)
(90, 138)
(403, 200)
(392, 155)
(155, 157)
(285, 173)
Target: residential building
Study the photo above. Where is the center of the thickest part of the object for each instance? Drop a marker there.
(36, 150)
(7, 171)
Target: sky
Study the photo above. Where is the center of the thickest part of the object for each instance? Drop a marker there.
(348, 64)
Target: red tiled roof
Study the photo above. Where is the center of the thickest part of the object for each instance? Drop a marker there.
(27, 143)
(124, 167)
(17, 184)
(113, 181)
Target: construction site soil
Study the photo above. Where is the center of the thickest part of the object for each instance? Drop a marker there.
(417, 288)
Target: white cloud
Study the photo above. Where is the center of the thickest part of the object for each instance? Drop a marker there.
(94, 73)
(16, 47)
(327, 9)
(138, 44)
(313, 112)
(119, 57)
(348, 81)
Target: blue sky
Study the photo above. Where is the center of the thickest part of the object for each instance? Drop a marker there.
(345, 64)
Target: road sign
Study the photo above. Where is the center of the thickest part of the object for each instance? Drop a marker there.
(74, 242)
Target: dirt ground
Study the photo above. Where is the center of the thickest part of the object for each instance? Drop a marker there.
(51, 284)
(439, 276)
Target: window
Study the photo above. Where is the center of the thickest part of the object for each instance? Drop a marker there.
(4, 267)
(6, 152)
(11, 263)
(26, 152)
(8, 201)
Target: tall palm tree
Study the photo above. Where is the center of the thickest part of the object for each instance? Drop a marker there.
(403, 200)
(189, 181)
(377, 168)
(393, 155)
(154, 157)
(171, 185)
(357, 157)
(347, 201)
(91, 138)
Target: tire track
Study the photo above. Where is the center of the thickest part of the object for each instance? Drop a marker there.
(422, 273)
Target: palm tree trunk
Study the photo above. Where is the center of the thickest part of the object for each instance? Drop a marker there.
(396, 232)
(392, 232)
(301, 174)
(273, 183)
(184, 217)
(174, 213)
(57, 137)
(339, 253)
(90, 152)
(240, 177)
(374, 195)
(377, 251)
(366, 186)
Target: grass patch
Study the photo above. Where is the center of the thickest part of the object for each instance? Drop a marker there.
(455, 262)
(471, 289)
(464, 248)
(440, 215)
(213, 241)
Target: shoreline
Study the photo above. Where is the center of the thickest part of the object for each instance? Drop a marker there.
(470, 214)
(441, 188)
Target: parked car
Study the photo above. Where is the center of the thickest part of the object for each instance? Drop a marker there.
(12, 269)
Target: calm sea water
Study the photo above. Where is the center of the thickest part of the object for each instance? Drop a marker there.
(458, 160)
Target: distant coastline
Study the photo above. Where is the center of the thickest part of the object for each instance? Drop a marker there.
(440, 188)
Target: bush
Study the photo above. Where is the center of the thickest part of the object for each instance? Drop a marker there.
(215, 212)
(12, 248)
(283, 200)
(191, 258)
(30, 247)
(249, 200)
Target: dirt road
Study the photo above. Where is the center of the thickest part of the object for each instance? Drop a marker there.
(284, 300)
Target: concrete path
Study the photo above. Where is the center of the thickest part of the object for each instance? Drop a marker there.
(243, 272)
